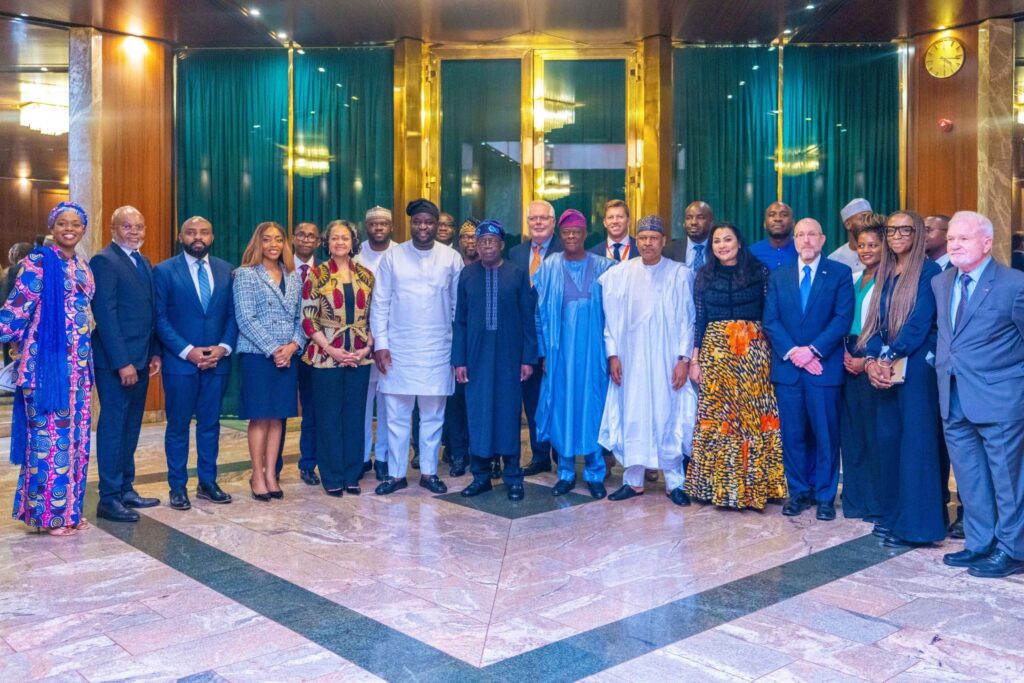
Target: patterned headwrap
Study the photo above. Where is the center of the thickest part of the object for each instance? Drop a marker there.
(490, 227)
(422, 206)
(651, 223)
(571, 218)
(468, 227)
(378, 213)
(66, 206)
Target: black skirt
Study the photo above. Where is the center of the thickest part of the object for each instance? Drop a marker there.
(268, 392)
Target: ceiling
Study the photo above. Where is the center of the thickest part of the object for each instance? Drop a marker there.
(228, 23)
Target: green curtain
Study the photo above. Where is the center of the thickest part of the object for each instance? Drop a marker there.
(480, 133)
(840, 115)
(343, 117)
(595, 143)
(232, 138)
(726, 130)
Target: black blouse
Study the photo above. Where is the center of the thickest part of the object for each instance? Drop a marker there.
(722, 299)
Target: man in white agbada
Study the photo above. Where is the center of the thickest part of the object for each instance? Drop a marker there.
(411, 320)
(651, 405)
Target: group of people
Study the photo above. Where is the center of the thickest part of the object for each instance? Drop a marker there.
(744, 374)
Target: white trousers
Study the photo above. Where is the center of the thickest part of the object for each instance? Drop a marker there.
(675, 475)
(399, 426)
(380, 451)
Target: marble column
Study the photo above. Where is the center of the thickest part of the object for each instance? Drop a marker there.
(995, 129)
(85, 148)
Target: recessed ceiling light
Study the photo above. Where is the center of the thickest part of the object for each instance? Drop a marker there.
(254, 11)
(321, 69)
(809, 6)
(282, 35)
(941, 28)
(43, 68)
(788, 31)
(755, 67)
(24, 14)
(301, 51)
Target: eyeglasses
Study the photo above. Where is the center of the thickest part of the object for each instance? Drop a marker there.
(446, 223)
(307, 236)
(904, 230)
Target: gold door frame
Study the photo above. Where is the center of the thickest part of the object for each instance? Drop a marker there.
(531, 126)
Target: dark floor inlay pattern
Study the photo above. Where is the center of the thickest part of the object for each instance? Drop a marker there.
(537, 501)
(393, 655)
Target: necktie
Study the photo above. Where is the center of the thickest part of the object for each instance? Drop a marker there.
(805, 288)
(961, 307)
(205, 293)
(535, 262)
(140, 266)
(698, 256)
(617, 251)
(305, 271)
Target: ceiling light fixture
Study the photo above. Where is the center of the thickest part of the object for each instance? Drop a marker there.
(282, 35)
(254, 11)
(809, 7)
(787, 31)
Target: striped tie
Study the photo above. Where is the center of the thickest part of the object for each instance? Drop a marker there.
(205, 293)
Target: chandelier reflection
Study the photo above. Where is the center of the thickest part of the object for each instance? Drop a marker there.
(44, 108)
(559, 113)
(799, 161)
(554, 185)
(310, 161)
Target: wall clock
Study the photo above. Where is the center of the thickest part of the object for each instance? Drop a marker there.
(944, 57)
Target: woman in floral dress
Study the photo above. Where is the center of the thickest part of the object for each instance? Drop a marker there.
(46, 317)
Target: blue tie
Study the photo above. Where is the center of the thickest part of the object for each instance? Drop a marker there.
(140, 266)
(805, 288)
(961, 308)
(617, 251)
(698, 256)
(205, 294)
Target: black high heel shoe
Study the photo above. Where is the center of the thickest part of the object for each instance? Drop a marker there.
(276, 495)
(264, 497)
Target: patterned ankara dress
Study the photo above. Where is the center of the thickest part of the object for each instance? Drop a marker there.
(51, 486)
(737, 445)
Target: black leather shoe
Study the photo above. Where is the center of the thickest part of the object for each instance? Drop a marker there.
(625, 492)
(536, 467)
(433, 484)
(516, 492)
(309, 477)
(390, 485)
(353, 490)
(563, 487)
(367, 466)
(826, 512)
(212, 493)
(880, 531)
(964, 558)
(132, 499)
(262, 497)
(335, 493)
(996, 566)
(496, 468)
(380, 470)
(458, 468)
(896, 542)
(276, 495)
(115, 511)
(794, 506)
(597, 490)
(415, 464)
(476, 488)
(179, 499)
(679, 497)
(956, 529)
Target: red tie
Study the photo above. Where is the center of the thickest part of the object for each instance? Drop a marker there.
(305, 271)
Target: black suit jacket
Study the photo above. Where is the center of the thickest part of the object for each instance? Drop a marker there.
(124, 309)
(1017, 260)
(520, 254)
(601, 248)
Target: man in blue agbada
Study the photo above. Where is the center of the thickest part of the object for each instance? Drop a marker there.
(494, 348)
(570, 336)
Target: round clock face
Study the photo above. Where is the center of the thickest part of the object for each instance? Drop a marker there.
(944, 57)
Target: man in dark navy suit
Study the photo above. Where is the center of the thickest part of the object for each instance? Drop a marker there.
(618, 245)
(195, 322)
(528, 256)
(125, 355)
(807, 314)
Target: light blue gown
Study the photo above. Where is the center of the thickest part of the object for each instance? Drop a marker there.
(570, 330)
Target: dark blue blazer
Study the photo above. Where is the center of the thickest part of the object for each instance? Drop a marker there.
(601, 248)
(125, 311)
(180, 319)
(824, 324)
(520, 254)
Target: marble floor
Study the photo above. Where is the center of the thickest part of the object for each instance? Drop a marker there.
(417, 587)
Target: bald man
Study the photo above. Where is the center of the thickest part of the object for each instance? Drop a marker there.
(693, 249)
(777, 249)
(807, 315)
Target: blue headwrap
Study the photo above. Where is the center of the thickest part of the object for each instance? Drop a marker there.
(490, 226)
(52, 393)
(652, 223)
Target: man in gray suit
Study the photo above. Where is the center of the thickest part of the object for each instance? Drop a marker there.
(980, 366)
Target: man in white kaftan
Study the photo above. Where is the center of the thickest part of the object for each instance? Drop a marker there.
(651, 406)
(411, 320)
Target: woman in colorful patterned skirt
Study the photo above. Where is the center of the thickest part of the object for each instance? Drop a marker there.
(47, 317)
(737, 446)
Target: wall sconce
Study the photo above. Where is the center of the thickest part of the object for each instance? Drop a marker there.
(945, 125)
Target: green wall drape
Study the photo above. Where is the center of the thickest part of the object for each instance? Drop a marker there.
(843, 103)
(232, 139)
(725, 146)
(344, 106)
(480, 134)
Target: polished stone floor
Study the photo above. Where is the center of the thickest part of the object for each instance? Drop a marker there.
(418, 587)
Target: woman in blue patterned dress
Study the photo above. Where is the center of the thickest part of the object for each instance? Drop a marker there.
(46, 317)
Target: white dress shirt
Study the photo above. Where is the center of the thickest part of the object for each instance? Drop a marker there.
(193, 271)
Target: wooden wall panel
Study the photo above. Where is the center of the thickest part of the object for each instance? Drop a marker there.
(942, 168)
(137, 146)
(26, 205)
